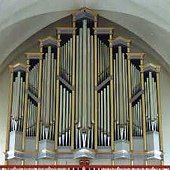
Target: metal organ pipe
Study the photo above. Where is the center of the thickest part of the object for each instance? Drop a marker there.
(137, 118)
(155, 106)
(77, 88)
(88, 88)
(70, 104)
(31, 118)
(120, 87)
(115, 96)
(102, 109)
(51, 93)
(105, 117)
(135, 79)
(65, 108)
(13, 105)
(88, 80)
(84, 116)
(99, 118)
(67, 117)
(17, 96)
(17, 112)
(146, 104)
(54, 98)
(151, 99)
(123, 88)
(84, 122)
(92, 89)
(20, 105)
(126, 99)
(32, 104)
(151, 103)
(140, 120)
(63, 113)
(80, 81)
(65, 64)
(68, 57)
(71, 59)
(98, 60)
(108, 116)
(47, 117)
(103, 96)
(121, 102)
(60, 116)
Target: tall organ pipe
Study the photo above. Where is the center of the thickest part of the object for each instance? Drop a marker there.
(84, 121)
(71, 59)
(92, 90)
(80, 80)
(88, 79)
(48, 87)
(120, 85)
(126, 97)
(102, 111)
(63, 113)
(17, 96)
(77, 78)
(67, 117)
(60, 116)
(151, 103)
(105, 117)
(99, 118)
(117, 97)
(77, 88)
(70, 104)
(92, 80)
(108, 114)
(124, 92)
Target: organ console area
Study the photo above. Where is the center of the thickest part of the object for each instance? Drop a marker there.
(84, 95)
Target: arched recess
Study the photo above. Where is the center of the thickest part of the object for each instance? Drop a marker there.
(29, 18)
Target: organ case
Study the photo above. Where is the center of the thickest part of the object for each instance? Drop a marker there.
(85, 93)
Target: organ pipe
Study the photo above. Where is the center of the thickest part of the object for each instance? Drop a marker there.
(84, 74)
(84, 91)
(111, 94)
(151, 102)
(25, 106)
(95, 93)
(57, 92)
(88, 80)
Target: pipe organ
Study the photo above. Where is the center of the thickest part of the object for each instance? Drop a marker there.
(84, 95)
(17, 111)
(151, 102)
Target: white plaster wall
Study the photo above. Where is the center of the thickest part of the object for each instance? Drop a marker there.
(4, 82)
(141, 17)
(165, 104)
(31, 45)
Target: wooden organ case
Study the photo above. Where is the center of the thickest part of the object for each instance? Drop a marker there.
(84, 95)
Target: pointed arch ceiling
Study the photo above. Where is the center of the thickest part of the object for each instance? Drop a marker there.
(149, 20)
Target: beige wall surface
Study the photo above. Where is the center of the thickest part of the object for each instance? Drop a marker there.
(4, 91)
(31, 45)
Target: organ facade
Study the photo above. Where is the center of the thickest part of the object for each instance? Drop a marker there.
(84, 96)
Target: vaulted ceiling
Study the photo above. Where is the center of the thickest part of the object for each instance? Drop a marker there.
(148, 19)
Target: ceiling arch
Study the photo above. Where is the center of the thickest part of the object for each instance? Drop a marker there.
(149, 20)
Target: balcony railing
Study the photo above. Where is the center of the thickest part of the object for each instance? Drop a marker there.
(84, 167)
